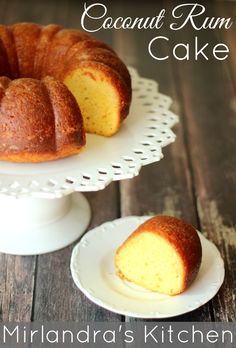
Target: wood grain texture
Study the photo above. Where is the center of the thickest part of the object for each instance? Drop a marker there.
(228, 10)
(16, 287)
(42, 11)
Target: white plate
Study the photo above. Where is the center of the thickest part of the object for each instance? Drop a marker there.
(93, 270)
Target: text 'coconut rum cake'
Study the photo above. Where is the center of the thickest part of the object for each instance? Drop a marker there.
(39, 121)
(163, 254)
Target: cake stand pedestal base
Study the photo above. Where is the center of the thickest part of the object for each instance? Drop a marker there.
(31, 226)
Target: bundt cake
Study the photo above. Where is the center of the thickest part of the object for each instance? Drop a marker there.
(91, 70)
(163, 254)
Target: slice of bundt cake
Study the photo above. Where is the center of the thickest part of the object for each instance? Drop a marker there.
(163, 254)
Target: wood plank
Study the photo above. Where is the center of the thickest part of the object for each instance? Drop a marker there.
(42, 11)
(206, 94)
(226, 10)
(17, 286)
(165, 187)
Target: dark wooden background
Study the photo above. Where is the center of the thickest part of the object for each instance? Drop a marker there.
(195, 180)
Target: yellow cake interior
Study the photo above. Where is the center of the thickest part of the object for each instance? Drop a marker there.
(150, 261)
(98, 100)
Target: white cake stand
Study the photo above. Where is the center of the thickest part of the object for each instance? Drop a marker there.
(39, 209)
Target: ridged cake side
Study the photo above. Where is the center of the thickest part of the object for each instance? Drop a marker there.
(40, 120)
(43, 49)
(26, 36)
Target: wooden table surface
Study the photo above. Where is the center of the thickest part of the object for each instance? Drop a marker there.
(195, 180)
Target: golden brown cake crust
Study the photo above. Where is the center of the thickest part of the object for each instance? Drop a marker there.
(68, 122)
(61, 42)
(183, 238)
(40, 120)
(43, 49)
(7, 49)
(26, 37)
